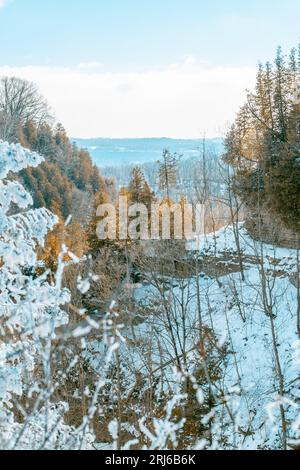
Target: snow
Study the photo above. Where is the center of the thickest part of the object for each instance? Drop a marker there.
(234, 309)
(30, 310)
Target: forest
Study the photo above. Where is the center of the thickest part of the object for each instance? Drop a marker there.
(152, 344)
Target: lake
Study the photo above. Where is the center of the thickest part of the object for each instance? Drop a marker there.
(117, 152)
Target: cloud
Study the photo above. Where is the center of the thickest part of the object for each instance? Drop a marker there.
(181, 100)
(90, 66)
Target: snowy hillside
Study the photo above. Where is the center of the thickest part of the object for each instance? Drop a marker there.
(254, 320)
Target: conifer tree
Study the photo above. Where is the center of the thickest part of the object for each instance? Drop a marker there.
(167, 172)
(263, 145)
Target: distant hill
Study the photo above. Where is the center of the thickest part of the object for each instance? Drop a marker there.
(115, 152)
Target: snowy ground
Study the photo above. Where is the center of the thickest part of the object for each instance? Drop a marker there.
(234, 310)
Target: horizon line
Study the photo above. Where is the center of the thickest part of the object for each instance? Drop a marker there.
(149, 138)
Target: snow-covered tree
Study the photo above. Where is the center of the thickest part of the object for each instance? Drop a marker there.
(30, 311)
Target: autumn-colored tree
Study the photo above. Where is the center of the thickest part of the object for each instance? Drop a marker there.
(139, 190)
(72, 236)
(101, 197)
(263, 144)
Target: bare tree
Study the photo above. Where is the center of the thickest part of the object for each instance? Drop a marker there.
(20, 102)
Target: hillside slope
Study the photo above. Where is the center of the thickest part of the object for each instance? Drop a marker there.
(253, 320)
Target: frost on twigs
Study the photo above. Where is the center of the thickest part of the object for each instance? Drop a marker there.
(31, 302)
(30, 309)
(14, 158)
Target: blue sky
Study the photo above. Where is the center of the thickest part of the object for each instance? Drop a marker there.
(127, 37)
(141, 33)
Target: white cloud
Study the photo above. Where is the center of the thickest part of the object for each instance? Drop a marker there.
(182, 100)
(90, 66)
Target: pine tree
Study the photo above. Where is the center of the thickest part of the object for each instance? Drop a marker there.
(139, 190)
(167, 172)
(263, 144)
(136, 185)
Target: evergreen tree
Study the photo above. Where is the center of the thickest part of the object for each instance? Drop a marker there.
(167, 172)
(139, 190)
(263, 145)
(136, 184)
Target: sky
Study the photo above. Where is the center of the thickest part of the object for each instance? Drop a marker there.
(141, 68)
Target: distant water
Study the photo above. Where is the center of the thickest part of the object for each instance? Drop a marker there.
(116, 152)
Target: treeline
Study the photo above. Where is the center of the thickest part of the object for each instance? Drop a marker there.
(263, 145)
(68, 173)
(68, 182)
(190, 172)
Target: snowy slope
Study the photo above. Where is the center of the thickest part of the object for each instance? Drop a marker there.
(234, 309)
